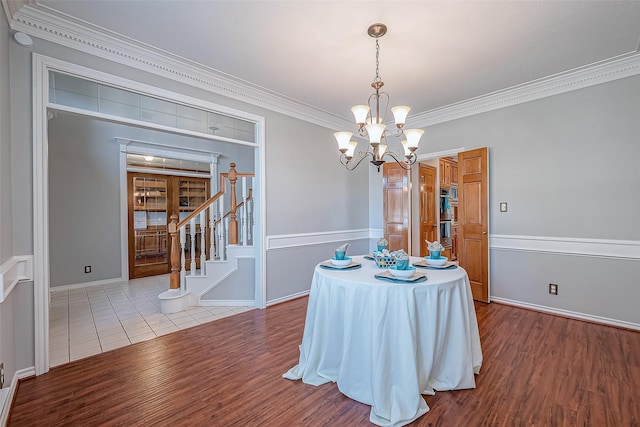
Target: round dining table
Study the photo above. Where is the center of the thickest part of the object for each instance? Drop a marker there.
(386, 342)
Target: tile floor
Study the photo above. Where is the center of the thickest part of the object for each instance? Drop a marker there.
(88, 321)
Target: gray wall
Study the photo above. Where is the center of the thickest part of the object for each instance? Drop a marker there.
(84, 201)
(6, 240)
(84, 192)
(239, 286)
(307, 190)
(16, 312)
(567, 166)
(292, 268)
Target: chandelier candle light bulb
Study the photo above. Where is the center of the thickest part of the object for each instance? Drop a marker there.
(371, 124)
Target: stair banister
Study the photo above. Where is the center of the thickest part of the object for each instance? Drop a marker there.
(178, 233)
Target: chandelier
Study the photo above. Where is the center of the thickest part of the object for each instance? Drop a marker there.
(371, 124)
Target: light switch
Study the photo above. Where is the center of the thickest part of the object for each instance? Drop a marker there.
(503, 206)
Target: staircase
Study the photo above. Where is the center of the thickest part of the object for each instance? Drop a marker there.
(204, 258)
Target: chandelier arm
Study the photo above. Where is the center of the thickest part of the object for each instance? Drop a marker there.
(404, 164)
(361, 156)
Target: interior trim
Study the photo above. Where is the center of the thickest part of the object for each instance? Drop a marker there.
(288, 298)
(12, 271)
(579, 78)
(41, 65)
(305, 239)
(600, 248)
(7, 394)
(568, 313)
(39, 21)
(86, 284)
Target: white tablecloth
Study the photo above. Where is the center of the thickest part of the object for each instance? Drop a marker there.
(385, 344)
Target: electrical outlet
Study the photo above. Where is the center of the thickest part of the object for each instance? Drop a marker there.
(553, 289)
(87, 269)
(503, 206)
(1, 375)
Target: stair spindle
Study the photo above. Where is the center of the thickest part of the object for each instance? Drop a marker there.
(203, 241)
(183, 262)
(174, 277)
(192, 237)
(221, 227)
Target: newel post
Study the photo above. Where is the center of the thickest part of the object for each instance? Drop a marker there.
(233, 221)
(174, 277)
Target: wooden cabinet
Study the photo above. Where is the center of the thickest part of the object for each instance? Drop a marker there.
(152, 200)
(448, 172)
(192, 192)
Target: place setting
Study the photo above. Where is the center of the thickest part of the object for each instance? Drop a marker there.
(397, 267)
(434, 261)
(341, 261)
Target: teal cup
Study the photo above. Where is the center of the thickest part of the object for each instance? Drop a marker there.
(341, 254)
(402, 264)
(381, 248)
(434, 254)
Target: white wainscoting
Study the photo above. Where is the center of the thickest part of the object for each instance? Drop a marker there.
(14, 270)
(619, 249)
(304, 239)
(574, 247)
(565, 246)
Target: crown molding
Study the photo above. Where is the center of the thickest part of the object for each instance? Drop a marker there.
(39, 21)
(11, 7)
(600, 72)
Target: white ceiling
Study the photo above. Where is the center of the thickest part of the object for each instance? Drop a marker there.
(436, 53)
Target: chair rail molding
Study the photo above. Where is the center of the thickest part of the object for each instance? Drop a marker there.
(16, 269)
(304, 239)
(601, 248)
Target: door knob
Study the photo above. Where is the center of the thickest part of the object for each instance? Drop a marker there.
(484, 232)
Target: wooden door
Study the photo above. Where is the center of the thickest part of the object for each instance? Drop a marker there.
(473, 228)
(395, 183)
(428, 218)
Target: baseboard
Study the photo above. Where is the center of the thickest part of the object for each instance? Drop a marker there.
(287, 298)
(568, 313)
(227, 303)
(7, 394)
(85, 284)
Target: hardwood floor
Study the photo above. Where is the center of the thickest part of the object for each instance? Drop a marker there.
(538, 370)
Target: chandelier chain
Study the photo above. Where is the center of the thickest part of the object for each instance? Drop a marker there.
(377, 79)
